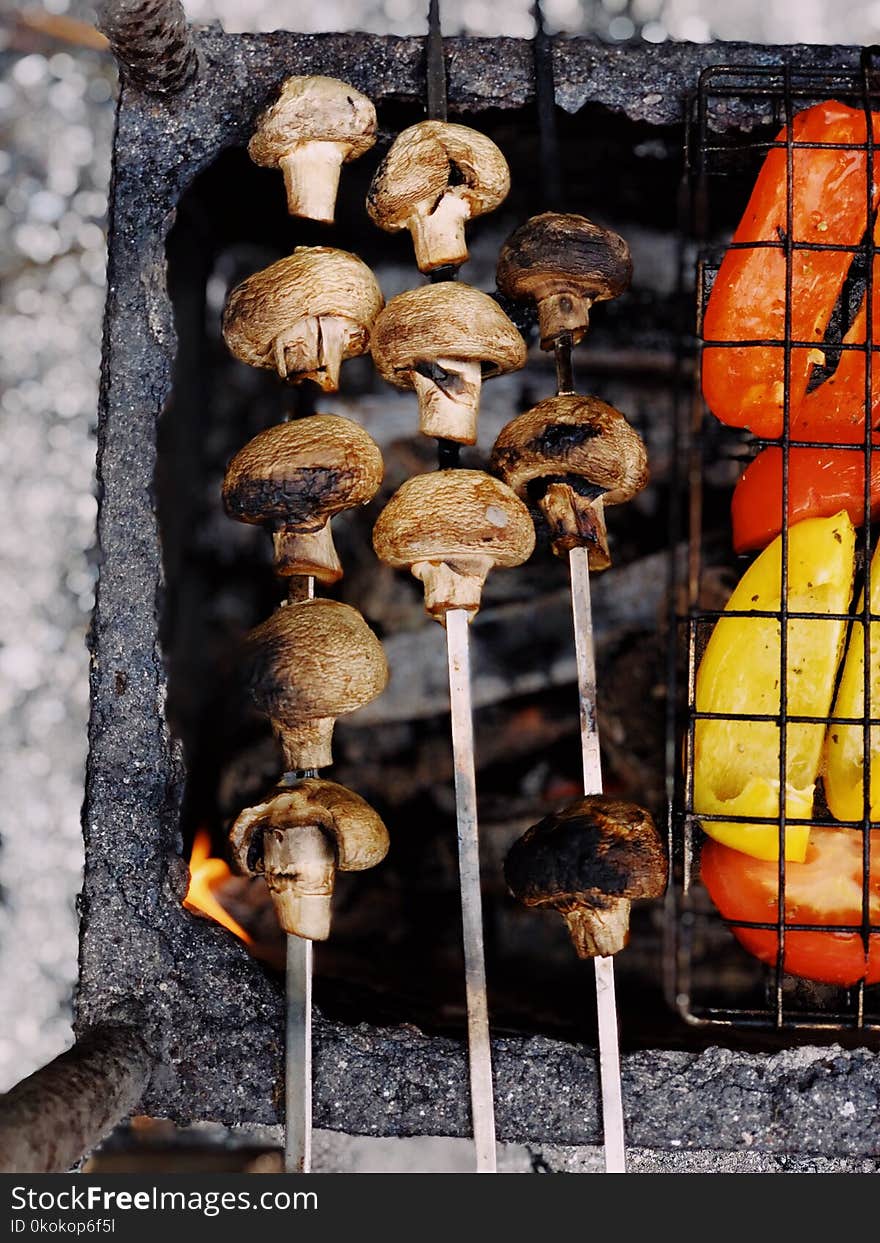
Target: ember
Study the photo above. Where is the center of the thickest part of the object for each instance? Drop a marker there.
(206, 875)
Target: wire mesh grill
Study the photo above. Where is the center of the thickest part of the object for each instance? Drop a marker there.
(739, 114)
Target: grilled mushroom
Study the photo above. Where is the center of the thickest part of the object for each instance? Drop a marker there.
(304, 315)
(442, 340)
(315, 126)
(450, 528)
(299, 837)
(434, 178)
(589, 861)
(565, 263)
(311, 662)
(293, 478)
(572, 456)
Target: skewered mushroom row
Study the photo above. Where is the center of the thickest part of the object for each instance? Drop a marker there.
(570, 456)
(313, 660)
(442, 340)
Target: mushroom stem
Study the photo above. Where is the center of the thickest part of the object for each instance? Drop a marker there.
(599, 932)
(439, 239)
(563, 312)
(576, 521)
(301, 344)
(300, 868)
(311, 178)
(307, 552)
(449, 399)
(454, 584)
(313, 349)
(307, 744)
(333, 335)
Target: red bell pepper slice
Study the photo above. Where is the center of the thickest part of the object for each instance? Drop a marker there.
(825, 890)
(821, 482)
(743, 384)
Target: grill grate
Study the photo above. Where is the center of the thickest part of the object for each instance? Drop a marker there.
(719, 160)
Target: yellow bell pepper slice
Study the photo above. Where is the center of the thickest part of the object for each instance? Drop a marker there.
(844, 744)
(736, 763)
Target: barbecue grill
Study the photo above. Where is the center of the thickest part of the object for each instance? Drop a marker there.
(713, 456)
(193, 1023)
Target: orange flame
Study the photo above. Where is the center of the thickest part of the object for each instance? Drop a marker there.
(205, 876)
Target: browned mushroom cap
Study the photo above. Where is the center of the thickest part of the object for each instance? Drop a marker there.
(299, 837)
(435, 177)
(589, 861)
(565, 263)
(311, 662)
(450, 528)
(572, 456)
(293, 477)
(315, 126)
(442, 340)
(304, 314)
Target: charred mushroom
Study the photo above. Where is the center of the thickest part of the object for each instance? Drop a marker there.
(304, 315)
(442, 340)
(292, 479)
(572, 456)
(311, 662)
(565, 263)
(434, 178)
(299, 837)
(450, 528)
(314, 127)
(589, 861)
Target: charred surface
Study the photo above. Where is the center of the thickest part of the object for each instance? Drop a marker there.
(595, 849)
(303, 501)
(554, 252)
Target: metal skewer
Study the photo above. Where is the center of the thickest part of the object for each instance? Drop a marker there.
(298, 1023)
(436, 69)
(579, 570)
(458, 652)
(298, 1057)
(606, 1003)
(479, 1048)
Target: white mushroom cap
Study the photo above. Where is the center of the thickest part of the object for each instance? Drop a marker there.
(314, 126)
(436, 176)
(304, 315)
(298, 838)
(450, 528)
(442, 340)
(359, 835)
(311, 662)
(293, 477)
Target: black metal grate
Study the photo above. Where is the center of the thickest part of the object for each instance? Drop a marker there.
(733, 122)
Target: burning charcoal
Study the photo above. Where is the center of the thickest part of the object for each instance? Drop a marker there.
(311, 662)
(315, 126)
(450, 528)
(573, 456)
(304, 315)
(293, 478)
(299, 838)
(589, 861)
(435, 177)
(442, 340)
(564, 263)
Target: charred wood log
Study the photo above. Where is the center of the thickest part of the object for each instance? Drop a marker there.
(152, 42)
(57, 1114)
